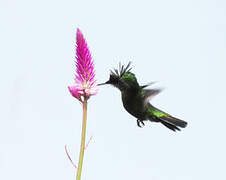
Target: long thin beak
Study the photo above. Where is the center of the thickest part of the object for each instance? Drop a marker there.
(103, 83)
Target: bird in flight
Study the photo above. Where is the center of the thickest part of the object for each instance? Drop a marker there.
(135, 99)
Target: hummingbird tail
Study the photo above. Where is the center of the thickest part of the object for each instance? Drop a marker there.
(167, 120)
(172, 122)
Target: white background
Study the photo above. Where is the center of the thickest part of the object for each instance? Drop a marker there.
(180, 44)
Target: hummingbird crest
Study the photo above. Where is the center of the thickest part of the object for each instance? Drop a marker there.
(118, 73)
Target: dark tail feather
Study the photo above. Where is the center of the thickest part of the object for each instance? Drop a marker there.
(172, 123)
(170, 126)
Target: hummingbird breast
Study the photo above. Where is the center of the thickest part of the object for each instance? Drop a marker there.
(133, 104)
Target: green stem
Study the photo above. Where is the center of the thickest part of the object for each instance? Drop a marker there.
(82, 147)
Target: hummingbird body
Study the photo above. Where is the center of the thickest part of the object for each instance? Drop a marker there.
(133, 103)
(136, 99)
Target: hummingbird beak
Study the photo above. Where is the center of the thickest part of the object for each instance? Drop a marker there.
(103, 83)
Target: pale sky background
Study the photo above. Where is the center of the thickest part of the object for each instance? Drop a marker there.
(180, 44)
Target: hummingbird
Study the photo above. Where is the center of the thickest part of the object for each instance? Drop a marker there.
(135, 99)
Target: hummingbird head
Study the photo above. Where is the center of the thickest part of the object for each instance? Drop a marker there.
(121, 78)
(113, 80)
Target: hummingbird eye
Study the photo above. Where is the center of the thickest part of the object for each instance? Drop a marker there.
(113, 79)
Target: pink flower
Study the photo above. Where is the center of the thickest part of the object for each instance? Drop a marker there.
(85, 84)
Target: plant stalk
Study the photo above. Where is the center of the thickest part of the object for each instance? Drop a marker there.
(82, 147)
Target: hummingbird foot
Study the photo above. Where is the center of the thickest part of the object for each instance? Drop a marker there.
(138, 123)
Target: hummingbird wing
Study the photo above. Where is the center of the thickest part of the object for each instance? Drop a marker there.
(150, 93)
(149, 84)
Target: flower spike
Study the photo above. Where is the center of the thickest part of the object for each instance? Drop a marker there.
(85, 83)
